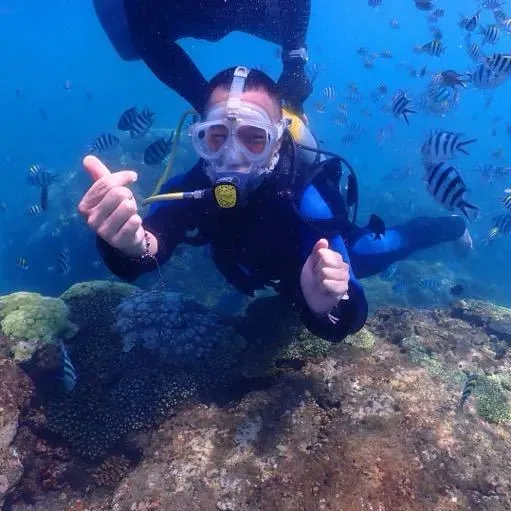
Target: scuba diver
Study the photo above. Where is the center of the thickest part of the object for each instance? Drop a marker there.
(149, 29)
(274, 211)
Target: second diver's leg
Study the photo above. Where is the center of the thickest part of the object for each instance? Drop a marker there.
(148, 21)
(369, 256)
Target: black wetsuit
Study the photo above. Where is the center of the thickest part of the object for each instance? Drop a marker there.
(268, 240)
(149, 29)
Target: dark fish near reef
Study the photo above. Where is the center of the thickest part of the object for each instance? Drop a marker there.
(468, 387)
(158, 150)
(446, 186)
(456, 290)
(376, 227)
(400, 288)
(431, 283)
(68, 376)
(127, 118)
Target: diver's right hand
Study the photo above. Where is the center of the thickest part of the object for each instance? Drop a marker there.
(110, 208)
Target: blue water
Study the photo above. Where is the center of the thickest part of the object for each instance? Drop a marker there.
(45, 44)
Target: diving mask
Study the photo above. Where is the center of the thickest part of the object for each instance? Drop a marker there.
(238, 136)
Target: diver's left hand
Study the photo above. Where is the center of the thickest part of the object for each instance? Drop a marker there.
(324, 278)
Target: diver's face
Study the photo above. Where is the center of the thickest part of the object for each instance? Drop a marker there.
(251, 137)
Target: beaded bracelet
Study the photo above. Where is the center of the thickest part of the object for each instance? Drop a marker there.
(147, 254)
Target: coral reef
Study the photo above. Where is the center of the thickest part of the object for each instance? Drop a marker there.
(276, 339)
(29, 319)
(372, 423)
(15, 392)
(176, 328)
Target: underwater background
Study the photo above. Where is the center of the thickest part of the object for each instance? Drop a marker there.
(190, 396)
(63, 85)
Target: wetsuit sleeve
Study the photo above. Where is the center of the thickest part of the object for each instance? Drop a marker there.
(168, 222)
(348, 316)
(148, 26)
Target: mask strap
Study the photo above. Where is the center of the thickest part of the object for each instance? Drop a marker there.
(235, 92)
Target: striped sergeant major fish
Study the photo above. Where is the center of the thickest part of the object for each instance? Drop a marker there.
(127, 118)
(468, 387)
(491, 34)
(104, 142)
(39, 176)
(401, 106)
(435, 48)
(141, 123)
(470, 22)
(501, 225)
(68, 374)
(443, 145)
(446, 186)
(158, 150)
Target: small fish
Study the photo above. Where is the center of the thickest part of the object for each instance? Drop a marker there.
(68, 85)
(127, 118)
(443, 145)
(470, 22)
(446, 186)
(105, 142)
(3, 207)
(401, 106)
(491, 34)
(374, 3)
(468, 387)
(63, 264)
(499, 15)
(39, 176)
(22, 263)
(400, 288)
(435, 48)
(158, 150)
(43, 114)
(34, 210)
(450, 78)
(501, 225)
(456, 290)
(389, 273)
(386, 54)
(328, 92)
(507, 199)
(319, 107)
(376, 227)
(395, 24)
(492, 4)
(68, 376)
(483, 77)
(142, 123)
(424, 5)
(429, 283)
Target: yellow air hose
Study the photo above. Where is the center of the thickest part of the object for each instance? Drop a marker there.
(154, 197)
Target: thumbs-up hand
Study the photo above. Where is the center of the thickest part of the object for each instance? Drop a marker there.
(110, 209)
(324, 278)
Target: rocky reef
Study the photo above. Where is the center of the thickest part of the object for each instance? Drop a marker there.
(265, 416)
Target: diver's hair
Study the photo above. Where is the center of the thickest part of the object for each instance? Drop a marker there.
(256, 80)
